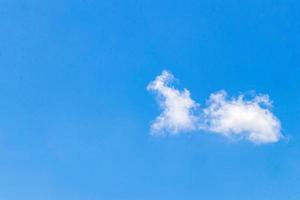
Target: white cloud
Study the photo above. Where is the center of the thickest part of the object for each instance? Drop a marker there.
(232, 117)
(177, 106)
(250, 119)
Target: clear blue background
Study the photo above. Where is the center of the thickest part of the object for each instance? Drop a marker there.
(75, 113)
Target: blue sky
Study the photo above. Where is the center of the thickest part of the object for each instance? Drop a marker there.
(75, 113)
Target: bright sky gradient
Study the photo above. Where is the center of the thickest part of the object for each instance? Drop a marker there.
(75, 112)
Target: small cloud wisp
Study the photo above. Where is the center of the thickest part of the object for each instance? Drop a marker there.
(177, 107)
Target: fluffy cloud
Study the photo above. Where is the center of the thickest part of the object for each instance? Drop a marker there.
(250, 119)
(240, 117)
(177, 106)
